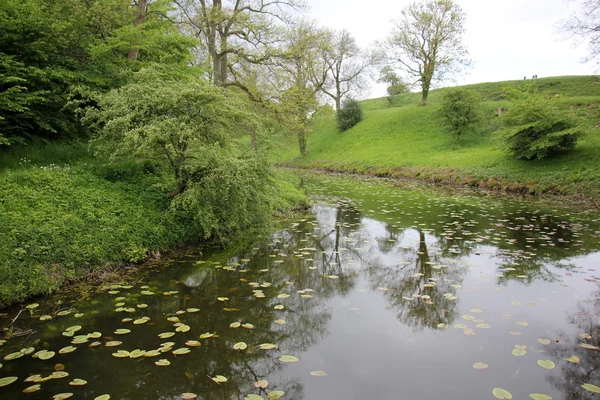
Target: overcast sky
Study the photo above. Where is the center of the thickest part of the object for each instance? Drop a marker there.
(507, 39)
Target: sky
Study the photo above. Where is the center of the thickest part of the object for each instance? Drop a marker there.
(507, 39)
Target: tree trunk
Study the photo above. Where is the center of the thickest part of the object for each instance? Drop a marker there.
(424, 92)
(181, 186)
(302, 135)
(140, 18)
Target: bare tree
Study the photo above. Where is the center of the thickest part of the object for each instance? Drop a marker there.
(346, 64)
(584, 26)
(426, 42)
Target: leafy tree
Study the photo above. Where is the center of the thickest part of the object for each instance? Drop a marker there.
(461, 111)
(169, 116)
(301, 74)
(347, 66)
(534, 128)
(426, 42)
(349, 115)
(396, 84)
(584, 26)
(52, 52)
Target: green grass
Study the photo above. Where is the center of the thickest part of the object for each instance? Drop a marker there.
(404, 139)
(65, 214)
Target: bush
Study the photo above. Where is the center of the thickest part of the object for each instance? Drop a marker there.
(349, 115)
(461, 111)
(534, 128)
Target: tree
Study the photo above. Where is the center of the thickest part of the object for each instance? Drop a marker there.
(347, 65)
(396, 84)
(584, 25)
(167, 116)
(301, 73)
(349, 115)
(533, 128)
(461, 111)
(426, 42)
(234, 32)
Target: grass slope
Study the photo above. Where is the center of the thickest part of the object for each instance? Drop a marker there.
(404, 139)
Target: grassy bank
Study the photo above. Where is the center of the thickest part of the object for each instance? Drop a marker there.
(401, 139)
(64, 214)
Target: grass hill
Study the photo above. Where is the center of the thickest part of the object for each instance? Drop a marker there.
(399, 138)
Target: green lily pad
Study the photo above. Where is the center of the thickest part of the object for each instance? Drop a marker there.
(219, 379)
(518, 352)
(279, 307)
(142, 305)
(78, 315)
(181, 351)
(46, 355)
(13, 356)
(62, 396)
(287, 358)
(78, 382)
(152, 353)
(121, 354)
(63, 313)
(122, 331)
(147, 293)
(545, 342)
(183, 328)
(275, 394)
(573, 359)
(193, 310)
(32, 388)
(318, 373)
(68, 349)
(483, 326)
(547, 364)
(248, 326)
(280, 321)
(235, 325)
(166, 335)
(73, 328)
(588, 346)
(137, 353)
(501, 393)
(58, 375)
(268, 346)
(253, 397)
(141, 321)
(538, 396)
(586, 386)
(523, 323)
(103, 397)
(7, 380)
(94, 335)
(240, 346)
(206, 335)
(162, 363)
(45, 317)
(262, 384)
(113, 343)
(480, 366)
(32, 306)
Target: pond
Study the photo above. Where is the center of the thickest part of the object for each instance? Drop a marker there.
(382, 291)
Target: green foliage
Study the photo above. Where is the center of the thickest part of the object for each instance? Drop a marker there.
(533, 128)
(170, 117)
(349, 115)
(54, 53)
(461, 111)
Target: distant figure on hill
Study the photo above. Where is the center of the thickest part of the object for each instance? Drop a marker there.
(525, 78)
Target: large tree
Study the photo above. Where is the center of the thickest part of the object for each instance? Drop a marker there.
(426, 42)
(347, 66)
(584, 26)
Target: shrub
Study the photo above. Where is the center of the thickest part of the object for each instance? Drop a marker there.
(349, 115)
(461, 111)
(533, 128)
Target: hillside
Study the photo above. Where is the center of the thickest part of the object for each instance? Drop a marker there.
(400, 138)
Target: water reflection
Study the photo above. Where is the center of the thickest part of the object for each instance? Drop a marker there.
(376, 285)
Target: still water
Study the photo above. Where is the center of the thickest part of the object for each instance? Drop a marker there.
(382, 291)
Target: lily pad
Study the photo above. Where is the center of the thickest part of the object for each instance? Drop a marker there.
(32, 306)
(253, 397)
(268, 346)
(68, 349)
(248, 326)
(275, 394)
(62, 396)
(162, 363)
(573, 359)
(235, 325)
(32, 388)
(7, 380)
(288, 359)
(103, 397)
(240, 346)
(74, 328)
(113, 343)
(219, 379)
(480, 366)
(501, 393)
(183, 328)
(318, 373)
(545, 342)
(122, 331)
(181, 351)
(262, 384)
(166, 335)
(192, 343)
(586, 386)
(539, 396)
(518, 352)
(189, 395)
(547, 364)
(46, 355)
(78, 382)
(193, 310)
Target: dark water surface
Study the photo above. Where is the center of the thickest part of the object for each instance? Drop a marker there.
(392, 292)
